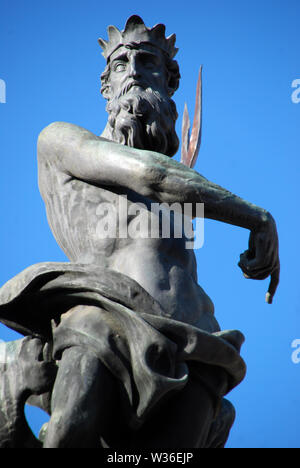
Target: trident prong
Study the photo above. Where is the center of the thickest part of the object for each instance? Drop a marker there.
(191, 145)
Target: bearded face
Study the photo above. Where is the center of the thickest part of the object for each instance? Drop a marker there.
(142, 114)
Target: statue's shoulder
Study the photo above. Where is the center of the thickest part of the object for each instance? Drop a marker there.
(61, 131)
(58, 137)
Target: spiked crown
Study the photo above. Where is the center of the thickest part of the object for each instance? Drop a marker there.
(136, 32)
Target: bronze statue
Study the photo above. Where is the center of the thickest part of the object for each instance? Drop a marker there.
(139, 357)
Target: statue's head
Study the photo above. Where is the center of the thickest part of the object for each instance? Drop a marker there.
(140, 77)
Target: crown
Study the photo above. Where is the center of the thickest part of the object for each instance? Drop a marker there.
(136, 32)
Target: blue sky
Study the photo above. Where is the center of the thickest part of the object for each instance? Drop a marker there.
(51, 63)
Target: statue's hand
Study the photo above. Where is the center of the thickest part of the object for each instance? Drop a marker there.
(36, 374)
(262, 259)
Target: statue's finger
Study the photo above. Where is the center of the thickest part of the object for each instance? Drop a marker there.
(273, 285)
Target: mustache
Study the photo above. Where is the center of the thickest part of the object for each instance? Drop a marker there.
(131, 83)
(138, 104)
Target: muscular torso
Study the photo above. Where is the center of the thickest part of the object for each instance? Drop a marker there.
(79, 213)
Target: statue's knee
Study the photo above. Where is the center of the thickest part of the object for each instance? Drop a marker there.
(221, 426)
(227, 412)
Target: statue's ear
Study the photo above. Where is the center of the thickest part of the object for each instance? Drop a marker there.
(173, 77)
(105, 90)
(171, 89)
(105, 87)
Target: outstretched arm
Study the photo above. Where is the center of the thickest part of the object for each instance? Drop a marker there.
(81, 154)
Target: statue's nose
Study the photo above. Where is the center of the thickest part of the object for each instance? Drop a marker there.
(134, 70)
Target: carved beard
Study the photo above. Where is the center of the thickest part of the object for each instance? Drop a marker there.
(144, 119)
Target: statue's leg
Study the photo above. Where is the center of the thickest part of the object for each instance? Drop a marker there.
(82, 401)
(23, 372)
(184, 421)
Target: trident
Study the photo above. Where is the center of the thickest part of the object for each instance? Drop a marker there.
(191, 143)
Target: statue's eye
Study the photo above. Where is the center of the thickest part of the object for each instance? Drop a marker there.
(148, 61)
(149, 64)
(119, 67)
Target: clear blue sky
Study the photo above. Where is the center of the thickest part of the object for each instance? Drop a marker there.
(51, 63)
